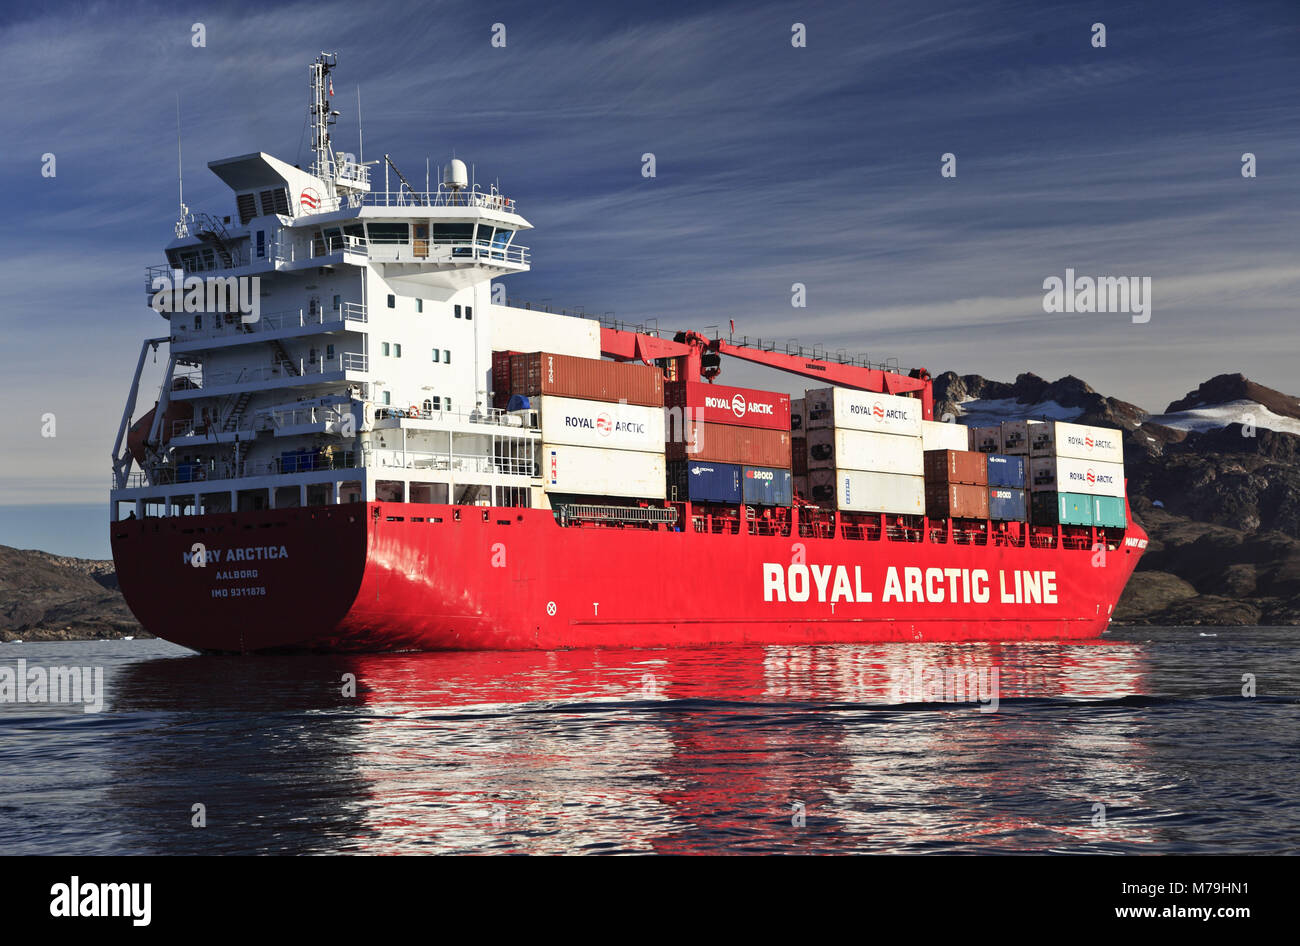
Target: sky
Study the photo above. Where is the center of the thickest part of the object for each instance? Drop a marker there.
(775, 165)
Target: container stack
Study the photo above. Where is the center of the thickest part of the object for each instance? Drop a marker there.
(1076, 474)
(1008, 500)
(799, 445)
(602, 424)
(865, 451)
(956, 484)
(728, 445)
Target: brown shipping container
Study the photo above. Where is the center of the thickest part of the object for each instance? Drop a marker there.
(501, 379)
(590, 379)
(956, 501)
(799, 455)
(724, 443)
(956, 466)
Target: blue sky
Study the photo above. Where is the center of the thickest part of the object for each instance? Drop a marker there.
(775, 165)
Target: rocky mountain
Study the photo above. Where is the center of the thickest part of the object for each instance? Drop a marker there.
(51, 597)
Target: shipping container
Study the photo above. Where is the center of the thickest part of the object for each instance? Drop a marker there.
(799, 455)
(1067, 509)
(1015, 436)
(862, 491)
(1108, 511)
(591, 471)
(845, 409)
(1007, 504)
(582, 423)
(1006, 470)
(719, 404)
(590, 379)
(864, 450)
(798, 414)
(704, 482)
(986, 440)
(936, 435)
(726, 443)
(501, 379)
(956, 501)
(957, 466)
(1069, 475)
(766, 486)
(1058, 439)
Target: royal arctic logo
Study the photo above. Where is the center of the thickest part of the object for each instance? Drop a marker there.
(738, 405)
(878, 411)
(604, 425)
(1092, 476)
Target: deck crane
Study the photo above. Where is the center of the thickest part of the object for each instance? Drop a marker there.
(690, 355)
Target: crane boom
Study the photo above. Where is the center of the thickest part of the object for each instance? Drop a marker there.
(699, 358)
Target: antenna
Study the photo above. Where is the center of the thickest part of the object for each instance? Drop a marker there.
(361, 147)
(181, 229)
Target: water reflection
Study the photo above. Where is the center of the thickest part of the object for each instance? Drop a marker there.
(645, 750)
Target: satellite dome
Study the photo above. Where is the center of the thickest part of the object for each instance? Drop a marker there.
(455, 174)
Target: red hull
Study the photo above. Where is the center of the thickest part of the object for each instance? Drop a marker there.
(381, 577)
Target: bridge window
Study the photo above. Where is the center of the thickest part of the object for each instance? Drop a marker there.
(384, 349)
(446, 357)
(453, 232)
(435, 356)
(457, 310)
(389, 232)
(469, 312)
(437, 403)
(261, 244)
(392, 301)
(419, 305)
(397, 350)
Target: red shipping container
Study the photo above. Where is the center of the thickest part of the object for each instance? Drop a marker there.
(956, 466)
(590, 379)
(720, 404)
(956, 500)
(727, 443)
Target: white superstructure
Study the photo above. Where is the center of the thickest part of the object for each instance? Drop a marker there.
(362, 372)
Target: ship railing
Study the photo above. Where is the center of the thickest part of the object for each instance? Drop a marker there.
(162, 277)
(455, 463)
(512, 421)
(232, 323)
(443, 197)
(445, 250)
(303, 367)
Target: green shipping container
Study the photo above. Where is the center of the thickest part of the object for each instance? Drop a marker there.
(1067, 509)
(1108, 511)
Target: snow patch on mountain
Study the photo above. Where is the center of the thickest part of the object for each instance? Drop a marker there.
(1216, 416)
(985, 412)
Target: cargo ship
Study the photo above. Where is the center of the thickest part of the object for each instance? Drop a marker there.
(361, 443)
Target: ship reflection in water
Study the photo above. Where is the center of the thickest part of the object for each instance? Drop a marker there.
(1115, 746)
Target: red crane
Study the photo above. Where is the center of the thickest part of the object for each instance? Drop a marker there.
(696, 356)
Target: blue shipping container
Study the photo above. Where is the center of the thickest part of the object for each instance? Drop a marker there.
(767, 486)
(705, 482)
(1007, 504)
(1006, 471)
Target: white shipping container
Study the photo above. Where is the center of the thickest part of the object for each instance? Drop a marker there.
(845, 409)
(1056, 438)
(1015, 436)
(863, 491)
(592, 471)
(865, 450)
(940, 436)
(1072, 475)
(985, 439)
(582, 423)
